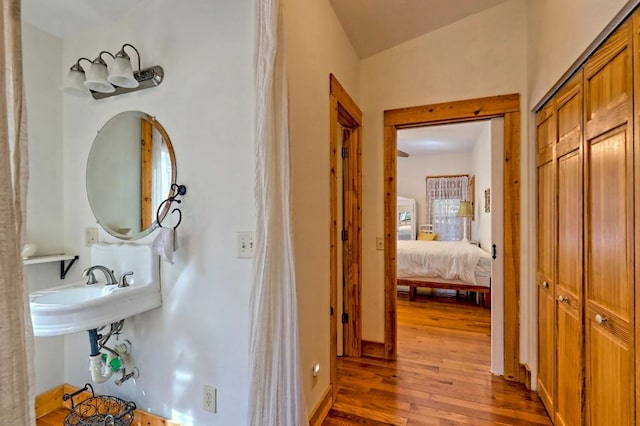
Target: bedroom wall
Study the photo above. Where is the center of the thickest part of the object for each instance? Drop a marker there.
(200, 334)
(481, 55)
(45, 196)
(316, 46)
(481, 169)
(412, 172)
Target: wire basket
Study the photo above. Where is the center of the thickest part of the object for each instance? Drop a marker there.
(101, 410)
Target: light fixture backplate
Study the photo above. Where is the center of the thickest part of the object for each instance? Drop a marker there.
(148, 77)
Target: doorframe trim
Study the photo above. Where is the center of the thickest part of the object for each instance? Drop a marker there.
(508, 107)
(344, 111)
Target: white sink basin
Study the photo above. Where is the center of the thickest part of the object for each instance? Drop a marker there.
(77, 293)
(79, 307)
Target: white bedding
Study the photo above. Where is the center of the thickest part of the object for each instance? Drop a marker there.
(454, 260)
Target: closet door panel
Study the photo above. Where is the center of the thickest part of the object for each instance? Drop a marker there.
(610, 385)
(570, 354)
(570, 390)
(546, 139)
(569, 255)
(609, 243)
(546, 303)
(610, 284)
(636, 143)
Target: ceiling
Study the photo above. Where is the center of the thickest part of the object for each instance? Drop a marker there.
(376, 25)
(371, 25)
(442, 139)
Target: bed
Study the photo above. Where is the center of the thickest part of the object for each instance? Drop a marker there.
(451, 265)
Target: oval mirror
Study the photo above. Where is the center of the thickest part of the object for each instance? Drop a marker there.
(130, 170)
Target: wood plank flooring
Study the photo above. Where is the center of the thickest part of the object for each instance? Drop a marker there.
(441, 376)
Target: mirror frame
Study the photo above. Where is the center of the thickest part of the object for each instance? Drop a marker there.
(174, 172)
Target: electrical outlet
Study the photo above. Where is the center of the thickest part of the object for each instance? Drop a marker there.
(245, 244)
(209, 398)
(90, 236)
(379, 243)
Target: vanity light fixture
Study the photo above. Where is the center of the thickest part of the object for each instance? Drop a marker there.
(102, 81)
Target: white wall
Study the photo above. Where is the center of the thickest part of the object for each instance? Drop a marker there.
(316, 46)
(45, 194)
(412, 172)
(200, 334)
(481, 169)
(552, 48)
(481, 55)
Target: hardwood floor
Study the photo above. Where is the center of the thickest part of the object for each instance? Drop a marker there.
(441, 376)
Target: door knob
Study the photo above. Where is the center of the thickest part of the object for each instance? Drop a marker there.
(563, 299)
(545, 284)
(600, 319)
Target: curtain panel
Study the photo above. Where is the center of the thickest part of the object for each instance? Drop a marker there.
(16, 339)
(444, 194)
(275, 383)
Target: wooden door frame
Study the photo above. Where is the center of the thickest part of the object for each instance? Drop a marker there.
(508, 107)
(344, 111)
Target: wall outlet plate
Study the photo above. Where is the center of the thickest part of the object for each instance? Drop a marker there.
(210, 398)
(90, 236)
(245, 245)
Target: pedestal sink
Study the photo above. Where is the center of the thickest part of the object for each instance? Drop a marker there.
(79, 307)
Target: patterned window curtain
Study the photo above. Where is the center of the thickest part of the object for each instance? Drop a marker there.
(443, 201)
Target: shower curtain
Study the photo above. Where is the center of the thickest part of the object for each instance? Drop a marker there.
(16, 341)
(275, 391)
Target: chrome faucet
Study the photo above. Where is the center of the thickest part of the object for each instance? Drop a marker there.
(111, 279)
(123, 279)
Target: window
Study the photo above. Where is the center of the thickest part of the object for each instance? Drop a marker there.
(444, 194)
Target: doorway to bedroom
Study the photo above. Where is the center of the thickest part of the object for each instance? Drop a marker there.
(448, 196)
(505, 312)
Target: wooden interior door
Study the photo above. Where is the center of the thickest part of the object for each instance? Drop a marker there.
(569, 252)
(546, 137)
(609, 243)
(345, 130)
(351, 325)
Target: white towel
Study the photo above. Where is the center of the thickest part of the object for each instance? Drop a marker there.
(165, 243)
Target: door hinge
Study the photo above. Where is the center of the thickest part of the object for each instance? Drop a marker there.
(331, 310)
(345, 152)
(345, 235)
(345, 317)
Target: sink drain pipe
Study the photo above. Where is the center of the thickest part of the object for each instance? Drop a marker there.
(100, 372)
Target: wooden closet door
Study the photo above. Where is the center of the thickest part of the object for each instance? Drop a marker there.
(546, 137)
(569, 282)
(609, 242)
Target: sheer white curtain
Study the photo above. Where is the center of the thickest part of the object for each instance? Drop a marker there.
(443, 201)
(16, 379)
(275, 385)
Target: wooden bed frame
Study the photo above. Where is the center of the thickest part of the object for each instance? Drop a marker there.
(425, 283)
(415, 283)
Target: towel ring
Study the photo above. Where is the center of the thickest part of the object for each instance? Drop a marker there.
(179, 191)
